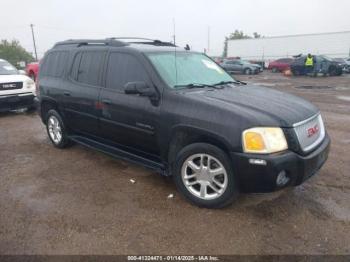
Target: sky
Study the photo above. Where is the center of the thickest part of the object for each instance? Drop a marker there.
(57, 20)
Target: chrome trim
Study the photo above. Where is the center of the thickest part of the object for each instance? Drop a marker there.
(19, 94)
(318, 140)
(306, 120)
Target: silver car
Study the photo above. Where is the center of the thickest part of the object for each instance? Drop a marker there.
(241, 66)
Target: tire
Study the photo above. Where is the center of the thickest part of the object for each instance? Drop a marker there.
(247, 71)
(190, 185)
(54, 127)
(274, 70)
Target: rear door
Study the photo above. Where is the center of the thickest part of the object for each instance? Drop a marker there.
(81, 94)
(129, 120)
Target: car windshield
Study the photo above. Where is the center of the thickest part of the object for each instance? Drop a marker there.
(7, 69)
(186, 68)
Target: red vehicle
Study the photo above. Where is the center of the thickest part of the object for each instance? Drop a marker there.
(280, 65)
(32, 70)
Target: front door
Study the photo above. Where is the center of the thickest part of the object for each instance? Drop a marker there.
(128, 119)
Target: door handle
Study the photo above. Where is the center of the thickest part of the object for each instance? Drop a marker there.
(66, 93)
(106, 101)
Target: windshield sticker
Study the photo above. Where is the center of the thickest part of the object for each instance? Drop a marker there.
(212, 65)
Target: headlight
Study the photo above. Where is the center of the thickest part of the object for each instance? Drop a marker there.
(30, 83)
(264, 140)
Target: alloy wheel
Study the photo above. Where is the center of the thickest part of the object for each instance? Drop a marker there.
(55, 130)
(204, 176)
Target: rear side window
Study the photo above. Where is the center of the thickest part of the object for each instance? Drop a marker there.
(87, 67)
(124, 68)
(54, 64)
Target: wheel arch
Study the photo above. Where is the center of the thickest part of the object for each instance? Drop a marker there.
(182, 136)
(47, 104)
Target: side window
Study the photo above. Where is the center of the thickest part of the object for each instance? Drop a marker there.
(124, 68)
(75, 66)
(55, 64)
(90, 66)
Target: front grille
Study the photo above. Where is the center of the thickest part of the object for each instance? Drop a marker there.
(310, 132)
(10, 86)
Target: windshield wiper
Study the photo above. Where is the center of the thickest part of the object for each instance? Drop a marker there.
(230, 82)
(195, 85)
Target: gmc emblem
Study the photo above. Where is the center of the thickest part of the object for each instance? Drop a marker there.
(312, 130)
(8, 85)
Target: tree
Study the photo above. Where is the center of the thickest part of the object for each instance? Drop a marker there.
(14, 52)
(237, 35)
(256, 35)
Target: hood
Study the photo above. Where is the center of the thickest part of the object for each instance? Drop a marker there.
(13, 78)
(259, 105)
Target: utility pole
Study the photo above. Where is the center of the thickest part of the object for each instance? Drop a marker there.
(36, 54)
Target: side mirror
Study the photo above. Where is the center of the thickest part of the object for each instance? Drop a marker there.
(139, 88)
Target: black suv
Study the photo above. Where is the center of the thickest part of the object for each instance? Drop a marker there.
(176, 111)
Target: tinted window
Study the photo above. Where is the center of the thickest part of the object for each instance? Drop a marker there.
(124, 68)
(75, 66)
(55, 64)
(89, 67)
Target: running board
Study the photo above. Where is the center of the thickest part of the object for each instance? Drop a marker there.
(120, 153)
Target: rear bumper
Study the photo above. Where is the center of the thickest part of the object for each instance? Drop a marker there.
(262, 178)
(12, 102)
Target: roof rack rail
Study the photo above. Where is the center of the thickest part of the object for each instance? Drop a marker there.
(115, 41)
(140, 40)
(81, 42)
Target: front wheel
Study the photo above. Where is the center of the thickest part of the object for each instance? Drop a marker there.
(204, 175)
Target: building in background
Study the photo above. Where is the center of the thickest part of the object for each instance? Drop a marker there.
(336, 44)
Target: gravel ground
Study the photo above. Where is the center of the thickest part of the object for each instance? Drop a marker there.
(79, 201)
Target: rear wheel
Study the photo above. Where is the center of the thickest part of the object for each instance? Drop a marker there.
(247, 71)
(203, 174)
(56, 130)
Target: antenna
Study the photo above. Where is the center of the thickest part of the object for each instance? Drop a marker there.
(175, 56)
(174, 31)
(208, 47)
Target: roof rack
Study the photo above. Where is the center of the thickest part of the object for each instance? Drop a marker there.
(81, 42)
(145, 41)
(115, 41)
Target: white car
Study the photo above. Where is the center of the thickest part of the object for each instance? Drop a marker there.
(16, 90)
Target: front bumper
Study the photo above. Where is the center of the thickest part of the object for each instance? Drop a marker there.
(262, 178)
(12, 102)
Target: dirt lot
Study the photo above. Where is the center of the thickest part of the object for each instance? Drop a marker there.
(79, 201)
